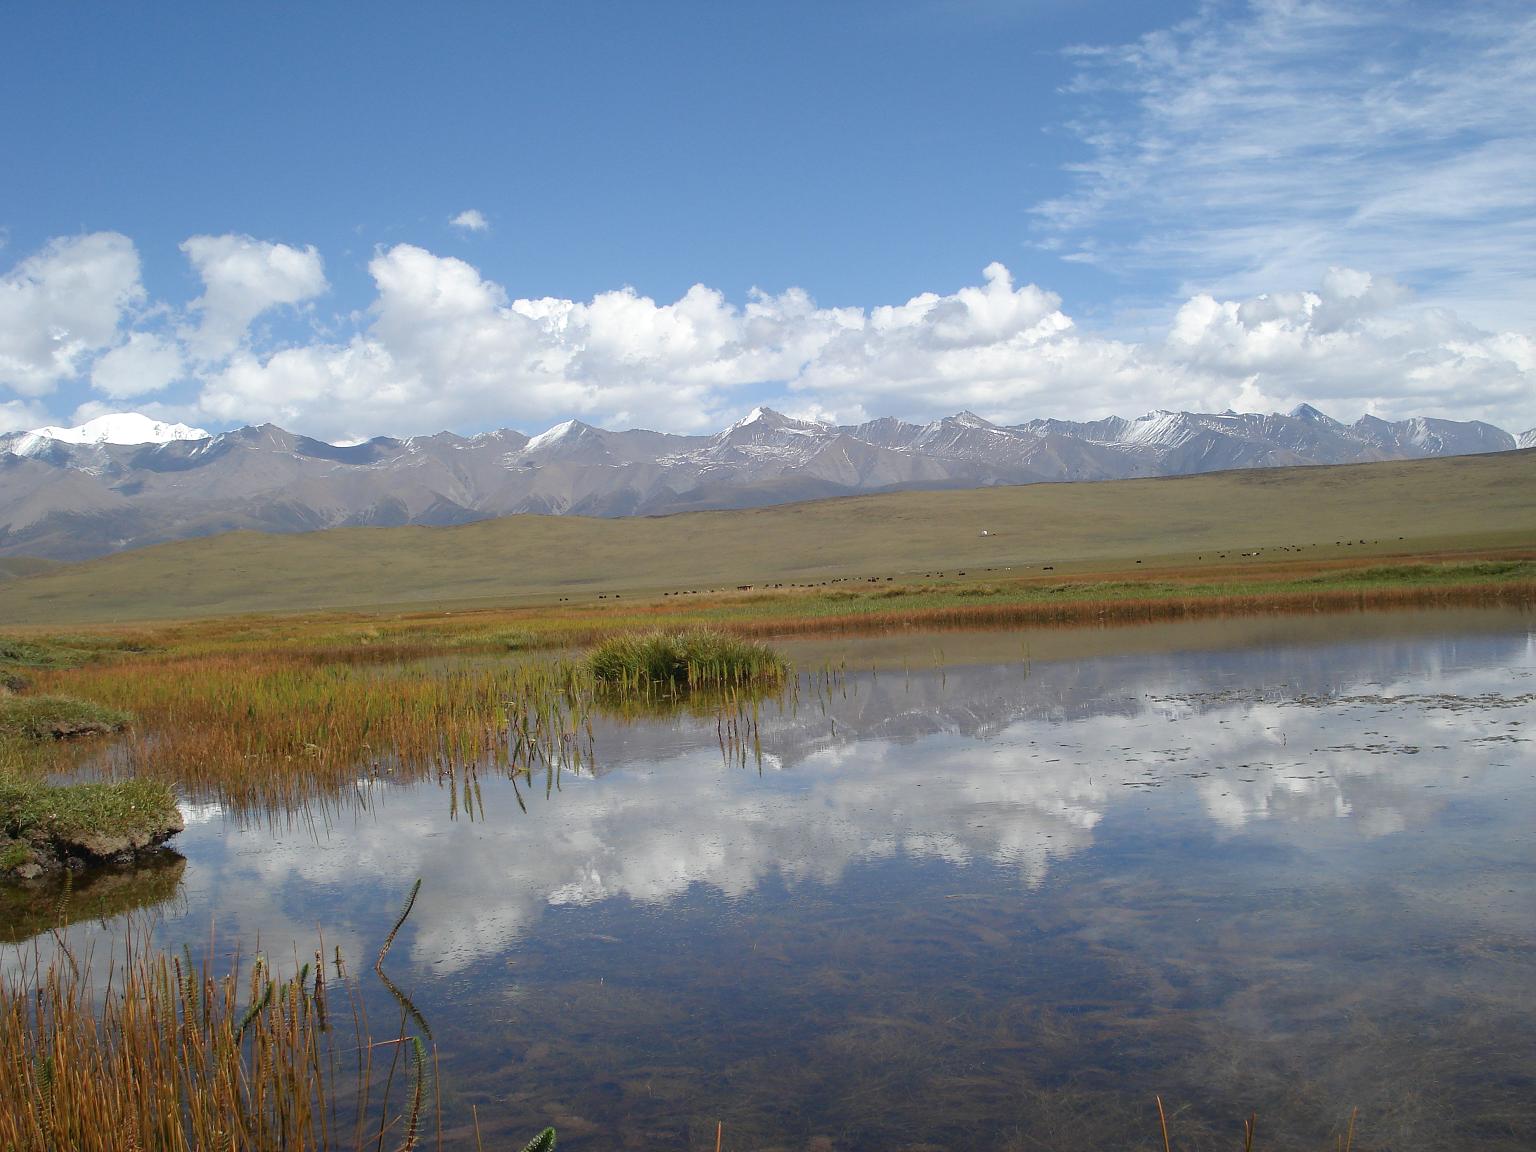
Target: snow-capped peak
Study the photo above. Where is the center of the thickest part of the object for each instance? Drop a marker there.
(768, 418)
(1160, 428)
(969, 419)
(763, 424)
(565, 430)
(113, 428)
(754, 416)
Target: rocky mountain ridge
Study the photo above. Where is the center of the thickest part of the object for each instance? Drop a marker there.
(80, 495)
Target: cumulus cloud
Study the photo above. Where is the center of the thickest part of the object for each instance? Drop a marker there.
(242, 278)
(62, 305)
(471, 220)
(145, 363)
(1346, 344)
(19, 415)
(443, 346)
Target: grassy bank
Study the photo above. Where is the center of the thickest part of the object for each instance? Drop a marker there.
(961, 598)
(45, 826)
(57, 718)
(278, 730)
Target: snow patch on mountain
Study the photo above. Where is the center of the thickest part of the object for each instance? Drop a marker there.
(765, 421)
(1158, 429)
(75, 493)
(553, 435)
(113, 428)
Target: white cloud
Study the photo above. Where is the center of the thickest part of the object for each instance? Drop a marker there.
(242, 278)
(1349, 346)
(146, 363)
(444, 347)
(926, 769)
(21, 415)
(1254, 145)
(471, 220)
(62, 305)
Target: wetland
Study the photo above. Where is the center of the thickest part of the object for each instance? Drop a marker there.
(940, 890)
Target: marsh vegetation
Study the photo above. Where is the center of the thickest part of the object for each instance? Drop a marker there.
(380, 717)
(696, 658)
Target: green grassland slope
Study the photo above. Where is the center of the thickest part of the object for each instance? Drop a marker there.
(1322, 513)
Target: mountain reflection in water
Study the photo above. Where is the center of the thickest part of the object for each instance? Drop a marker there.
(1015, 766)
(978, 907)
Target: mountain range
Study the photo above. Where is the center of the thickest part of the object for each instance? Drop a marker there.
(124, 481)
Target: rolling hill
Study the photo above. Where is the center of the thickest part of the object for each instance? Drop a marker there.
(1464, 502)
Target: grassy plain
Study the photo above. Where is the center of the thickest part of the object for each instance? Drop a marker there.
(1205, 527)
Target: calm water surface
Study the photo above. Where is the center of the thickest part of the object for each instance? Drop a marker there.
(991, 906)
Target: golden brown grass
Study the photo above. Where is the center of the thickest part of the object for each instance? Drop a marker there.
(278, 730)
(174, 1057)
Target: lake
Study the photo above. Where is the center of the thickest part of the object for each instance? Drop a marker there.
(988, 892)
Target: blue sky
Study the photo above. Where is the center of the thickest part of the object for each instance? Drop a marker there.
(668, 213)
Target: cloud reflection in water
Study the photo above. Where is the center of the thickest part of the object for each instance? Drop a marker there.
(1003, 767)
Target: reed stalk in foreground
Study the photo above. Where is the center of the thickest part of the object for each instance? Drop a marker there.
(172, 1057)
(1344, 1141)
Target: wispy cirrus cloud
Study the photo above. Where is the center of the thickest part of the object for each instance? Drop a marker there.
(1257, 144)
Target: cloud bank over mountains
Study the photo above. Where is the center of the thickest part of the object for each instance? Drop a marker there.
(443, 346)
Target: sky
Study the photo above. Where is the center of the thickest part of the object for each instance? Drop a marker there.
(396, 218)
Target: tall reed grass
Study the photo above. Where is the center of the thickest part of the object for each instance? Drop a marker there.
(276, 731)
(696, 658)
(173, 1057)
